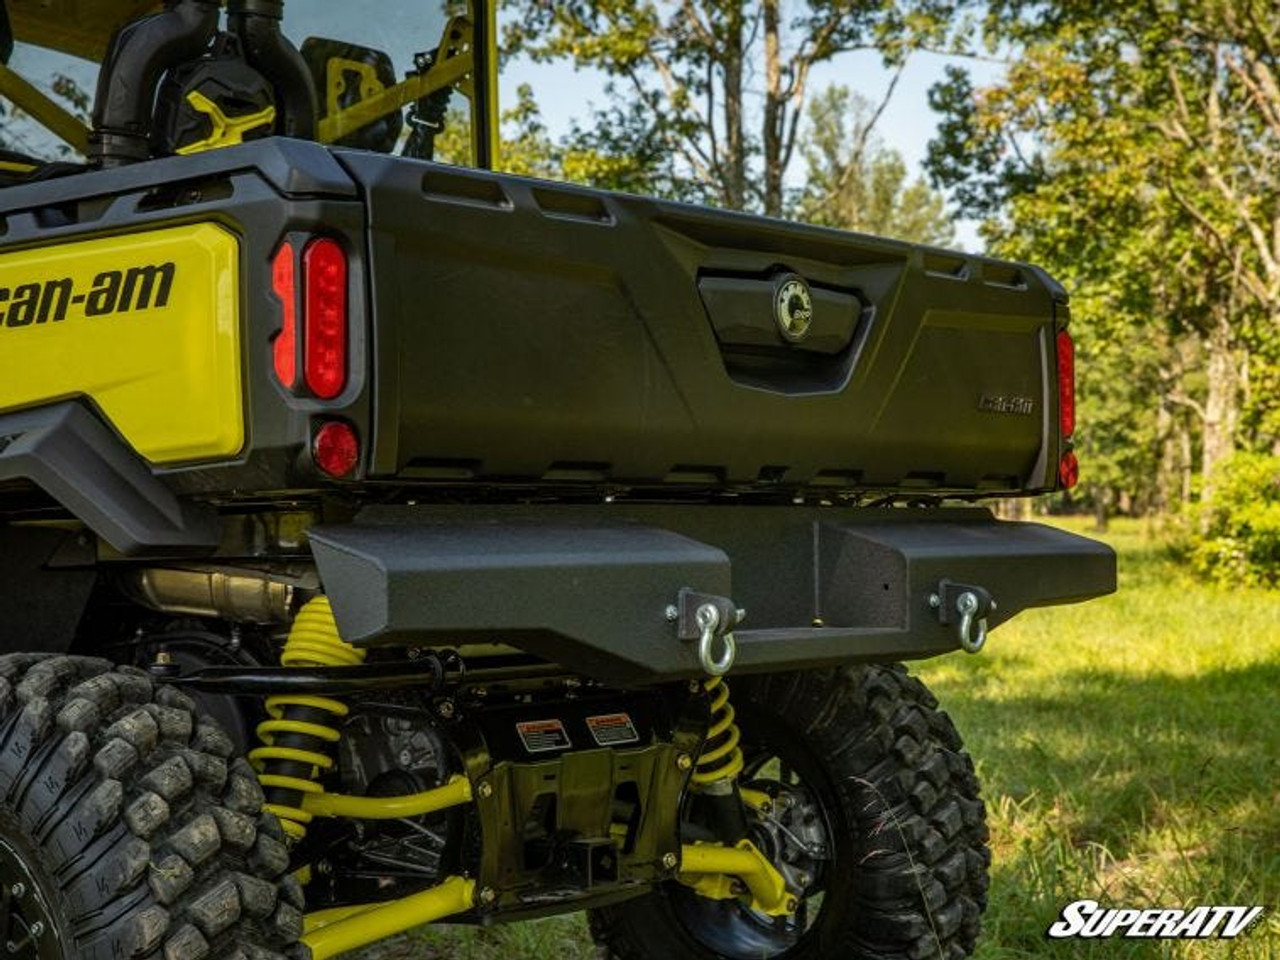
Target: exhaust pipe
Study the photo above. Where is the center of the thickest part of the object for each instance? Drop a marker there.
(235, 595)
(137, 58)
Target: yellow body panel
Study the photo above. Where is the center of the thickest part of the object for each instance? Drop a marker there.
(145, 325)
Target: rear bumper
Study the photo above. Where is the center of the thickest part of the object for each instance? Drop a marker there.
(590, 587)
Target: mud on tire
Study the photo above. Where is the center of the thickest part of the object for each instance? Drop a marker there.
(909, 880)
(148, 832)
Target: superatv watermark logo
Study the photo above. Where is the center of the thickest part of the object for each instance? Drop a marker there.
(112, 292)
(1088, 919)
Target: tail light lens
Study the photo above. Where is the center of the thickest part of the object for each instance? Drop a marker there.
(319, 341)
(284, 285)
(324, 365)
(1068, 470)
(1066, 383)
(335, 448)
(1068, 464)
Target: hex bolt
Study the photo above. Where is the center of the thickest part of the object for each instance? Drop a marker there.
(935, 601)
(792, 904)
(695, 686)
(18, 891)
(486, 791)
(488, 895)
(803, 879)
(673, 613)
(684, 761)
(669, 860)
(446, 709)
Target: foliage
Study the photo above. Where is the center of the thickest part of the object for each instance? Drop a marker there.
(720, 84)
(1133, 150)
(1236, 538)
(1128, 754)
(20, 133)
(854, 182)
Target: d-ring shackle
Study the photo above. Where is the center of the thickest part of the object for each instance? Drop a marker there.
(709, 629)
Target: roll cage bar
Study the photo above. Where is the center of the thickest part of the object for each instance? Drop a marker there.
(116, 35)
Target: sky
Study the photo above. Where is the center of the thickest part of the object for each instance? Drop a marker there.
(564, 94)
(907, 125)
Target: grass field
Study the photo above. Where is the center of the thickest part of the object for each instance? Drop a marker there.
(1130, 754)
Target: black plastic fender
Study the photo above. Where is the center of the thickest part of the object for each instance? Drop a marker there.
(73, 456)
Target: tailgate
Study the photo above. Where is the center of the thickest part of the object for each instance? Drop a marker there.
(539, 332)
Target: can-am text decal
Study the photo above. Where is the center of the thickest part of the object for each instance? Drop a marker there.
(112, 292)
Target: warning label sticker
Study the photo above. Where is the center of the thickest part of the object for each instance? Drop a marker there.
(612, 729)
(541, 736)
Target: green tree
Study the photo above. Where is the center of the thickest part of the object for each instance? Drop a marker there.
(1133, 150)
(722, 84)
(854, 182)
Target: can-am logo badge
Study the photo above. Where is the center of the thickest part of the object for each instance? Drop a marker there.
(1087, 919)
(793, 308)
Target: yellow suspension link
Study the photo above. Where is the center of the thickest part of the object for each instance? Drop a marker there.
(301, 727)
(455, 792)
(333, 932)
(711, 868)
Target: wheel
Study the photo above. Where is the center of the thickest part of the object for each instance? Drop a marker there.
(875, 817)
(127, 828)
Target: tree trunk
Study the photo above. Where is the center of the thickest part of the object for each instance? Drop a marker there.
(1167, 470)
(735, 181)
(1222, 405)
(1101, 497)
(774, 111)
(1184, 444)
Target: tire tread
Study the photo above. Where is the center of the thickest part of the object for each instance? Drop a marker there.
(128, 793)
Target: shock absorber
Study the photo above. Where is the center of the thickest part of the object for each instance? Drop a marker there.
(721, 759)
(715, 775)
(301, 730)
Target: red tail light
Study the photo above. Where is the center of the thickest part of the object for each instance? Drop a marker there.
(1068, 470)
(1066, 384)
(324, 360)
(336, 449)
(284, 286)
(1068, 465)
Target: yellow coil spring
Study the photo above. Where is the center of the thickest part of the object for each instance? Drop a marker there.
(313, 642)
(722, 757)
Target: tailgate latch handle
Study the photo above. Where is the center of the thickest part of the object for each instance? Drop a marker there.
(709, 620)
(970, 606)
